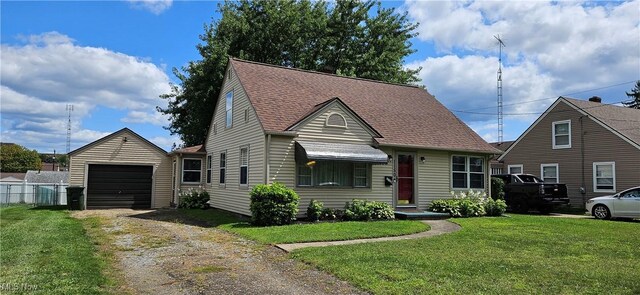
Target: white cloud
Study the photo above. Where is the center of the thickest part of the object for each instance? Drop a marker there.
(153, 6)
(50, 71)
(162, 141)
(155, 118)
(552, 48)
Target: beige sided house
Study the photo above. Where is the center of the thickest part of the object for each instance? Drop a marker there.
(122, 170)
(335, 138)
(592, 147)
(188, 170)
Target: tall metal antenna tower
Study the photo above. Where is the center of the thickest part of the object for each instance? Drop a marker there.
(69, 110)
(500, 119)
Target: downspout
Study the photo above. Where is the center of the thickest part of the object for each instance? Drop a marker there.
(583, 188)
(488, 175)
(267, 170)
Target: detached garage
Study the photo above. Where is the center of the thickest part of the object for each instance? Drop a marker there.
(122, 170)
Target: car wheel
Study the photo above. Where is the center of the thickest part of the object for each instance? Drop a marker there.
(601, 212)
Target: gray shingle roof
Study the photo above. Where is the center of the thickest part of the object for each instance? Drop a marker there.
(625, 121)
(34, 176)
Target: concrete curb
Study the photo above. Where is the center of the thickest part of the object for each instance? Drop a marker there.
(438, 227)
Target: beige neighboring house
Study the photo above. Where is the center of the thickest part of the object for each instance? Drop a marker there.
(593, 148)
(189, 170)
(335, 138)
(122, 170)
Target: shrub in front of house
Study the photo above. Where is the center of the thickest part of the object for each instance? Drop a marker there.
(314, 210)
(194, 199)
(330, 214)
(469, 204)
(445, 206)
(497, 188)
(495, 207)
(471, 207)
(364, 210)
(273, 204)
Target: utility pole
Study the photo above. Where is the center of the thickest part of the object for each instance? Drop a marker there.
(500, 114)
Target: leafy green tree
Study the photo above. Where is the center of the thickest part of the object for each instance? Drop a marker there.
(634, 95)
(351, 38)
(62, 160)
(16, 158)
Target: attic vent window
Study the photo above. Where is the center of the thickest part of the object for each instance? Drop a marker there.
(336, 120)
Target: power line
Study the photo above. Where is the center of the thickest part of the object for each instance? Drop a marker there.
(538, 113)
(550, 98)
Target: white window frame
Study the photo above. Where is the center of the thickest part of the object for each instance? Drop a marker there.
(554, 135)
(209, 172)
(184, 170)
(467, 172)
(228, 109)
(369, 171)
(310, 175)
(595, 183)
(542, 166)
(366, 175)
(326, 122)
(243, 165)
(515, 166)
(222, 168)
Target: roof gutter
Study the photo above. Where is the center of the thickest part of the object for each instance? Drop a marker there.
(281, 133)
(436, 149)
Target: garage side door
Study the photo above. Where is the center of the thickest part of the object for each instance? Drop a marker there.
(119, 186)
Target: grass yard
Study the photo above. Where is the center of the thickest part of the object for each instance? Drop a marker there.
(518, 255)
(45, 251)
(311, 232)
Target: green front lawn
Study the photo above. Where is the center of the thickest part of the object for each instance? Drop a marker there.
(311, 232)
(45, 251)
(517, 255)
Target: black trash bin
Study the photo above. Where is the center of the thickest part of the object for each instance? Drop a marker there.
(75, 197)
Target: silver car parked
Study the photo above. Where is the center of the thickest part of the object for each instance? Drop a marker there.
(625, 204)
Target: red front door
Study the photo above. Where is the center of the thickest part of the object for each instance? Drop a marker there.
(405, 179)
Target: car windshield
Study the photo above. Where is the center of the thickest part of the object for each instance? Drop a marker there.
(529, 178)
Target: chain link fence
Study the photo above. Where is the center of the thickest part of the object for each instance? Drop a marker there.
(38, 194)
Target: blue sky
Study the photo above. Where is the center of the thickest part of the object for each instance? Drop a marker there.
(111, 60)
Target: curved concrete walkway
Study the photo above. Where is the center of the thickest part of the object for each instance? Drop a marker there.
(438, 227)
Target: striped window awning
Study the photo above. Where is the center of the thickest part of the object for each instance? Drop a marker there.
(312, 150)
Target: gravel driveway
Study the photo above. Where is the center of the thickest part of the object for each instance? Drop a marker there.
(164, 252)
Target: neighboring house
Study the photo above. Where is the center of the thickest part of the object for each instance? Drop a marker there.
(39, 176)
(52, 167)
(12, 177)
(592, 147)
(496, 166)
(188, 170)
(335, 138)
(122, 170)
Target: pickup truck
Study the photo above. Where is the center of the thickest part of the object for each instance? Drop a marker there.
(523, 192)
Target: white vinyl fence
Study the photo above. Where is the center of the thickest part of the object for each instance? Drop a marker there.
(38, 194)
